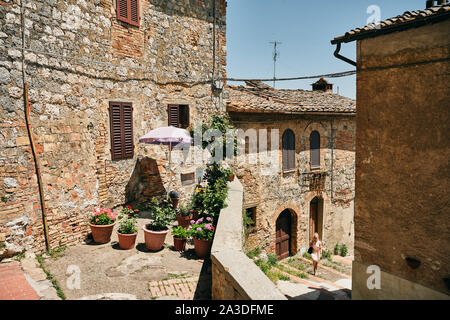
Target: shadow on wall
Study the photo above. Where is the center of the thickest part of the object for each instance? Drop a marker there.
(145, 182)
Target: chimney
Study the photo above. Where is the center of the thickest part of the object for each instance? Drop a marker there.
(431, 3)
(322, 85)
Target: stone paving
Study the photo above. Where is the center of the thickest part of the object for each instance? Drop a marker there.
(328, 284)
(106, 272)
(14, 285)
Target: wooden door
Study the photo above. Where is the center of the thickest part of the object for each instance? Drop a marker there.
(313, 217)
(283, 235)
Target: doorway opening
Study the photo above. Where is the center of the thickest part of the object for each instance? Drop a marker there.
(316, 218)
(283, 234)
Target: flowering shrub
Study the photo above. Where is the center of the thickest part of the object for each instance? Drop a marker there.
(129, 211)
(202, 229)
(102, 216)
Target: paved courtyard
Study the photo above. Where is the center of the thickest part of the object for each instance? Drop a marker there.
(107, 272)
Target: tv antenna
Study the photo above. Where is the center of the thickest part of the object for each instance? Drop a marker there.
(275, 58)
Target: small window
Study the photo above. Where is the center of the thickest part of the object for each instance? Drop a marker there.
(288, 150)
(250, 218)
(314, 143)
(121, 130)
(187, 178)
(178, 115)
(128, 11)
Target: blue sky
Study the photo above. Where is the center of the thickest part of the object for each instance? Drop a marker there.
(305, 29)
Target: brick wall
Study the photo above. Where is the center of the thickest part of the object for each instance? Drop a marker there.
(163, 61)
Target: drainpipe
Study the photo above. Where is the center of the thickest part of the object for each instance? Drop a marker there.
(30, 133)
(337, 55)
(332, 161)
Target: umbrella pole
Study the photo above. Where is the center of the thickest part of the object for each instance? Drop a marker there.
(170, 167)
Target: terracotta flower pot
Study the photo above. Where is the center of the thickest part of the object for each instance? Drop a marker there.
(154, 240)
(231, 177)
(175, 202)
(184, 221)
(179, 244)
(126, 241)
(101, 233)
(202, 247)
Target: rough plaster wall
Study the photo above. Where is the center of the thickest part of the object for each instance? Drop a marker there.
(70, 100)
(402, 184)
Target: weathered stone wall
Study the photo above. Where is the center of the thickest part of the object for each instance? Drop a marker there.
(167, 59)
(234, 275)
(402, 184)
(275, 192)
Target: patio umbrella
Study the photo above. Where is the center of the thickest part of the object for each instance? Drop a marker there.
(170, 136)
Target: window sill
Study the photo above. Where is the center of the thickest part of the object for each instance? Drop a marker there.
(289, 171)
(315, 168)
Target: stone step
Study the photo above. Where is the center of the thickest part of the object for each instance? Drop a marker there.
(333, 285)
(312, 284)
(328, 269)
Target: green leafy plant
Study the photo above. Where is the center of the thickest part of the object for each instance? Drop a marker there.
(4, 199)
(272, 259)
(214, 200)
(344, 250)
(181, 233)
(102, 216)
(163, 214)
(247, 221)
(184, 210)
(127, 225)
(202, 229)
(253, 253)
(326, 254)
(337, 249)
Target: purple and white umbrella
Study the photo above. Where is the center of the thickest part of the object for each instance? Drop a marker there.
(170, 136)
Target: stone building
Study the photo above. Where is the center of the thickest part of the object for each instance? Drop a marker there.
(402, 217)
(100, 73)
(310, 185)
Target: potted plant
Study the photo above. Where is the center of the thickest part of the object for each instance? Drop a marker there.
(127, 231)
(155, 232)
(197, 201)
(175, 197)
(184, 215)
(180, 236)
(102, 222)
(202, 231)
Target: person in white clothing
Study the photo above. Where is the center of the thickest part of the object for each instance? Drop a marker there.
(316, 244)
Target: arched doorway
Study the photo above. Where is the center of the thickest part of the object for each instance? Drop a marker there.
(283, 234)
(315, 217)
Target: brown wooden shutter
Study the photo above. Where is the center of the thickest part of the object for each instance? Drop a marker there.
(314, 153)
(288, 153)
(134, 12)
(128, 146)
(121, 130)
(123, 11)
(184, 116)
(173, 115)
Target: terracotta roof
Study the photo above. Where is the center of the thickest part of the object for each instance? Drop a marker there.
(409, 19)
(259, 97)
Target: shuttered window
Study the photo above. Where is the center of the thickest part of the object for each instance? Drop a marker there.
(128, 11)
(178, 115)
(288, 150)
(314, 152)
(121, 130)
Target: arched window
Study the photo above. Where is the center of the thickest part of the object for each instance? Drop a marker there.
(314, 143)
(288, 150)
